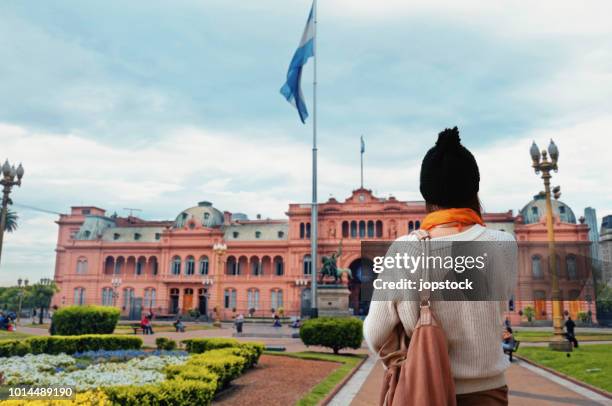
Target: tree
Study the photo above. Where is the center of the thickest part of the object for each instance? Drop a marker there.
(529, 312)
(11, 221)
(39, 296)
(9, 298)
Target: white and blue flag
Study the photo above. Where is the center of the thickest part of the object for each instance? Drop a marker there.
(292, 90)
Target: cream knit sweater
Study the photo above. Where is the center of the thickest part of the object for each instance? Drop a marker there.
(473, 329)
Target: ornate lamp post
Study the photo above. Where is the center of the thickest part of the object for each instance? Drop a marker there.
(542, 164)
(115, 283)
(9, 173)
(219, 249)
(21, 294)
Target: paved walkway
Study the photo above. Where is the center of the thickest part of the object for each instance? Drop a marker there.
(529, 386)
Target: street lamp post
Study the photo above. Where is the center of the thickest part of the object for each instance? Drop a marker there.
(219, 249)
(115, 283)
(9, 173)
(542, 164)
(21, 282)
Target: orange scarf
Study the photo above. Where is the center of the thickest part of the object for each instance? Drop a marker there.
(463, 217)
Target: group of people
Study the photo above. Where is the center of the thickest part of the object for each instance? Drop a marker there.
(146, 325)
(7, 321)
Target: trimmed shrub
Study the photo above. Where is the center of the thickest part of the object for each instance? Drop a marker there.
(174, 392)
(77, 320)
(164, 343)
(68, 344)
(221, 362)
(200, 345)
(331, 332)
(9, 348)
(190, 372)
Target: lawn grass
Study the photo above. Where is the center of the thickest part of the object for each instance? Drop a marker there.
(316, 394)
(538, 336)
(590, 363)
(12, 335)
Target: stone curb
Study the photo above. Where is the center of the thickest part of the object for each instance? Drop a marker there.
(340, 384)
(585, 385)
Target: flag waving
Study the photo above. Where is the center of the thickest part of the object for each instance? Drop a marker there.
(292, 90)
(362, 145)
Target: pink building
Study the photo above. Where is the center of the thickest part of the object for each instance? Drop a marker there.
(173, 267)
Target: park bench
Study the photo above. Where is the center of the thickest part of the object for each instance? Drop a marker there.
(513, 350)
(136, 328)
(278, 348)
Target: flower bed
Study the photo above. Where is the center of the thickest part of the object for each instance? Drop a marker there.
(45, 370)
(135, 377)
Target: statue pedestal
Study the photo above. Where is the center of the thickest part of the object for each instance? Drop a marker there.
(333, 301)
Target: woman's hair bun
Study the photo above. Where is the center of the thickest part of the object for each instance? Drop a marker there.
(448, 139)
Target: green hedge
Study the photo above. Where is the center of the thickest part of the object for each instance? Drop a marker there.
(9, 348)
(68, 344)
(333, 332)
(164, 343)
(77, 320)
(200, 345)
(220, 362)
(174, 392)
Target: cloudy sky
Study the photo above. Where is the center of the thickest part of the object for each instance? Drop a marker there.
(157, 105)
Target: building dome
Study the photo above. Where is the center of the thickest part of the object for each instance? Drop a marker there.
(203, 214)
(535, 209)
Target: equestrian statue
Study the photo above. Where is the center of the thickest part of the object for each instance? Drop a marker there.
(330, 267)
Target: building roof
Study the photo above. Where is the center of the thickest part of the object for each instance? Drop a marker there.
(536, 208)
(204, 214)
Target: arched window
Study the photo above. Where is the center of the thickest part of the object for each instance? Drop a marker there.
(353, 229)
(203, 268)
(229, 298)
(308, 230)
(278, 266)
(128, 298)
(570, 263)
(362, 231)
(417, 224)
(370, 229)
(276, 298)
(107, 296)
(119, 265)
(410, 226)
(154, 265)
(302, 231)
(536, 267)
(232, 265)
(190, 265)
(176, 265)
(379, 228)
(253, 298)
(81, 267)
(307, 265)
(140, 265)
(345, 229)
(79, 296)
(255, 266)
(149, 298)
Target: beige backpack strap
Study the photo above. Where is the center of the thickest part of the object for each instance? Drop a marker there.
(425, 238)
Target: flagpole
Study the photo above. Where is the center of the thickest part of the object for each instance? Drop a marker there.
(313, 211)
(361, 150)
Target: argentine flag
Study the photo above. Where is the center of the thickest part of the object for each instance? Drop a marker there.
(292, 90)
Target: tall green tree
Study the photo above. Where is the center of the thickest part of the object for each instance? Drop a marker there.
(9, 298)
(39, 296)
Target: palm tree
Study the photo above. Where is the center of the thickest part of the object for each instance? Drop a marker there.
(11, 221)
